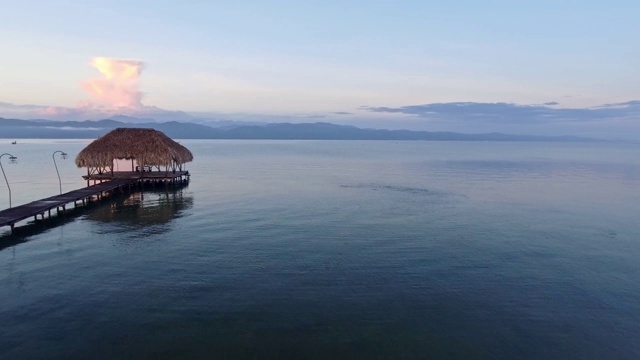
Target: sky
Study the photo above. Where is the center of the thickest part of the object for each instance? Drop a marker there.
(534, 67)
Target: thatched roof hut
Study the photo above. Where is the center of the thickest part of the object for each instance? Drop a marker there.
(147, 147)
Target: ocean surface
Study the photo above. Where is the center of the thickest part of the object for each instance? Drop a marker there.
(333, 249)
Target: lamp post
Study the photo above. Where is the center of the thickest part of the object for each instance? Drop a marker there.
(53, 156)
(12, 160)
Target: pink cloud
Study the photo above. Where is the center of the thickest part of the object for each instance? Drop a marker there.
(119, 85)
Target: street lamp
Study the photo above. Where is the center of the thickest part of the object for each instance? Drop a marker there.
(12, 160)
(53, 156)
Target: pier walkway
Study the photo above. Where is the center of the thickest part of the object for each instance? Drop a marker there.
(105, 183)
(9, 217)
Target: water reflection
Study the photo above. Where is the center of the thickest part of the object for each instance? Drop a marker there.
(146, 208)
(22, 233)
(139, 210)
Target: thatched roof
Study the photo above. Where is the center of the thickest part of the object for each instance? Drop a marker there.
(146, 146)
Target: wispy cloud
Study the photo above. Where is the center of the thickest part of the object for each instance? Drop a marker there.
(502, 112)
(18, 107)
(87, 111)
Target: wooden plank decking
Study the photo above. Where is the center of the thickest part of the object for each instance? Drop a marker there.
(13, 215)
(147, 175)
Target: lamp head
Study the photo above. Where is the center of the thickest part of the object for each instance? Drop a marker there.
(64, 155)
(13, 159)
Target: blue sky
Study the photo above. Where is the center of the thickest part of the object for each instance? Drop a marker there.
(307, 60)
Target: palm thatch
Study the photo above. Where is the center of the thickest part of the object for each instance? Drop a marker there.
(146, 146)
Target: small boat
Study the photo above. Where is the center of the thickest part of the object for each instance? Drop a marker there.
(13, 143)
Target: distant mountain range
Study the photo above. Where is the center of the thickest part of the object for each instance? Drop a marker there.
(29, 129)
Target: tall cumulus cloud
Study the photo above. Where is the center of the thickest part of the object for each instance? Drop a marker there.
(118, 87)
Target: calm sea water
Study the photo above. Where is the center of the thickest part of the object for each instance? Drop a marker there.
(334, 249)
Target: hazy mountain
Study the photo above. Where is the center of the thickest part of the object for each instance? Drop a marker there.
(328, 131)
(226, 124)
(132, 119)
(20, 129)
(214, 123)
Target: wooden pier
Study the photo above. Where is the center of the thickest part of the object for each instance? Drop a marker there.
(104, 184)
(155, 176)
(150, 149)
